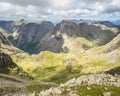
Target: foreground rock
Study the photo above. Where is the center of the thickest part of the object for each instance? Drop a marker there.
(86, 85)
(74, 87)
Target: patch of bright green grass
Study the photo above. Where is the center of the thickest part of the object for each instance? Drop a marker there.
(93, 90)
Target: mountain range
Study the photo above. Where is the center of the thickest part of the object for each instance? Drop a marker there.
(46, 55)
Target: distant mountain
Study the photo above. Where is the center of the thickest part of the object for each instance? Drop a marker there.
(7, 25)
(84, 21)
(89, 22)
(117, 22)
(107, 23)
(11, 26)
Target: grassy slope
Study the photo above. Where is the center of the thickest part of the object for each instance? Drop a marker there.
(50, 66)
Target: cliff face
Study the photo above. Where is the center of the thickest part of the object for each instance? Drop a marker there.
(30, 34)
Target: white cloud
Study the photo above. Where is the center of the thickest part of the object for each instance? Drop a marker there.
(47, 9)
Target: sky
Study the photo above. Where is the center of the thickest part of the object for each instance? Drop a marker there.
(60, 9)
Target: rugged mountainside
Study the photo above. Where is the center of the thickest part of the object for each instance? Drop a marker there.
(11, 26)
(28, 35)
(65, 51)
(7, 25)
(7, 65)
(54, 40)
(44, 36)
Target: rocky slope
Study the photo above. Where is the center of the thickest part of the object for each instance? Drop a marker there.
(7, 65)
(87, 85)
(11, 26)
(4, 40)
(43, 36)
(54, 40)
(28, 35)
(107, 23)
(7, 26)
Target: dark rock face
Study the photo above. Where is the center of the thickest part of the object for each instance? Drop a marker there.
(49, 43)
(114, 71)
(30, 34)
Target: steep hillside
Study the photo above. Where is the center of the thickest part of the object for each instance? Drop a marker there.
(7, 65)
(11, 26)
(28, 35)
(7, 25)
(67, 29)
(4, 40)
(44, 36)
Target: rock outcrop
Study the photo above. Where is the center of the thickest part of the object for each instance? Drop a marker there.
(114, 71)
(72, 87)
